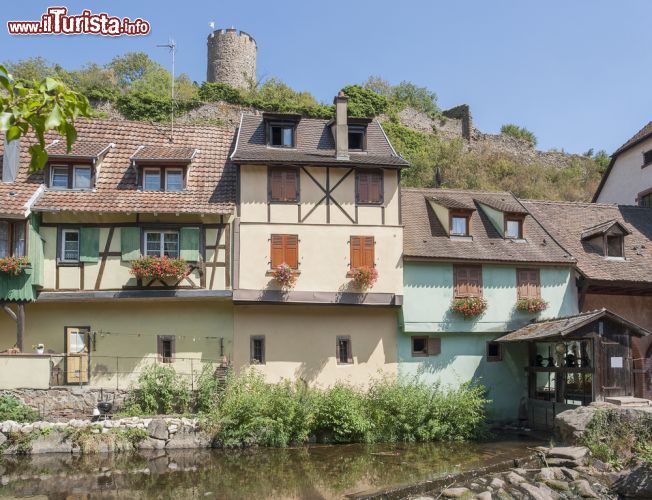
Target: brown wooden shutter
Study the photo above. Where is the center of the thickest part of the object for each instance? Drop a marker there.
(276, 252)
(292, 250)
(375, 188)
(475, 281)
(290, 191)
(534, 284)
(368, 257)
(434, 346)
(461, 281)
(528, 283)
(467, 281)
(356, 251)
(363, 188)
(276, 185)
(521, 283)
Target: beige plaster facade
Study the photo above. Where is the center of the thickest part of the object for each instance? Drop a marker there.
(300, 342)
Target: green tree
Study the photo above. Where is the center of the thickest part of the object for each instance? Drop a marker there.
(364, 102)
(132, 67)
(420, 98)
(519, 133)
(33, 68)
(39, 106)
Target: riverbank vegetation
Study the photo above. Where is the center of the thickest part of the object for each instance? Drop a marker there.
(13, 409)
(247, 411)
(620, 439)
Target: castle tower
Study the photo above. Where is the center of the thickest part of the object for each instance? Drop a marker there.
(231, 57)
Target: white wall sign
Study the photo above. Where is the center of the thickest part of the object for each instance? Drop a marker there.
(616, 362)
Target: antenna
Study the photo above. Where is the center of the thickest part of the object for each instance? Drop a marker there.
(172, 46)
(212, 26)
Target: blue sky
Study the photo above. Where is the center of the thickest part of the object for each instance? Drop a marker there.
(577, 73)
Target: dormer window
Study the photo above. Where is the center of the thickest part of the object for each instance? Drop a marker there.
(356, 138)
(459, 225)
(607, 239)
(70, 177)
(513, 228)
(281, 135)
(169, 179)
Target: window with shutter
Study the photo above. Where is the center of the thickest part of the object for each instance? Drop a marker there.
(369, 187)
(528, 283)
(467, 281)
(362, 251)
(284, 248)
(283, 185)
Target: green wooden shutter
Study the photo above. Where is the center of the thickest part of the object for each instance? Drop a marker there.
(89, 244)
(189, 243)
(130, 243)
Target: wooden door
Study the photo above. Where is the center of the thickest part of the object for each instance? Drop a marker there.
(616, 365)
(77, 355)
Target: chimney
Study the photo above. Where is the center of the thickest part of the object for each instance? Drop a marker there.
(341, 127)
(10, 160)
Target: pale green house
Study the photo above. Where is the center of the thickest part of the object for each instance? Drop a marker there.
(485, 248)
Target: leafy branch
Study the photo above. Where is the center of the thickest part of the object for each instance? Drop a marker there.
(40, 106)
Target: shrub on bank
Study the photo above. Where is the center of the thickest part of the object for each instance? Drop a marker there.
(342, 415)
(160, 391)
(618, 438)
(13, 409)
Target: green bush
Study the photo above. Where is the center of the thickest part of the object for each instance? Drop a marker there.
(342, 415)
(254, 413)
(519, 133)
(146, 105)
(209, 389)
(220, 92)
(365, 103)
(618, 438)
(13, 409)
(160, 391)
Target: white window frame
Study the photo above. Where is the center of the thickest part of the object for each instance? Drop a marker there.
(74, 176)
(167, 173)
(518, 229)
(161, 235)
(7, 241)
(158, 173)
(53, 168)
(466, 225)
(63, 245)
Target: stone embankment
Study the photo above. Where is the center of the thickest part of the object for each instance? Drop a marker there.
(85, 436)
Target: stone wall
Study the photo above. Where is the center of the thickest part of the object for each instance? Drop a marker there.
(67, 402)
(85, 436)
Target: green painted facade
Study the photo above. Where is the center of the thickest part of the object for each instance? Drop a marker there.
(426, 311)
(25, 286)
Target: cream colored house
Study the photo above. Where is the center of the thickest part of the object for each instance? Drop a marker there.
(628, 179)
(125, 190)
(322, 197)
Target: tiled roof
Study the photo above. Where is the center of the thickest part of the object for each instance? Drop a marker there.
(567, 221)
(314, 145)
(211, 177)
(505, 204)
(167, 153)
(424, 236)
(560, 327)
(645, 132)
(602, 228)
(453, 202)
(79, 149)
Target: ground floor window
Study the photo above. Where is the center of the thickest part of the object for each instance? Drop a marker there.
(257, 347)
(425, 346)
(166, 348)
(343, 350)
(494, 351)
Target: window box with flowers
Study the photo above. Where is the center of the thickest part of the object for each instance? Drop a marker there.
(161, 268)
(531, 305)
(469, 307)
(285, 276)
(364, 277)
(14, 266)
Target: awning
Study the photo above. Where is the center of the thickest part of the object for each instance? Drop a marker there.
(561, 327)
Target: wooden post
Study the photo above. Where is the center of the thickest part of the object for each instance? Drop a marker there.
(20, 326)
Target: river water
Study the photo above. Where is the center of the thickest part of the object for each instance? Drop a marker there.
(314, 472)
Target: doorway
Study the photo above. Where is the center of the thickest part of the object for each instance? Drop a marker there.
(77, 354)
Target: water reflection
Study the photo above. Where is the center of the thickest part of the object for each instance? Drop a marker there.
(313, 472)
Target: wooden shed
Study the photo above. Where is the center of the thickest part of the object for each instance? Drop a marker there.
(575, 360)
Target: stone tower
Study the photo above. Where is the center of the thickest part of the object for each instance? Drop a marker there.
(231, 57)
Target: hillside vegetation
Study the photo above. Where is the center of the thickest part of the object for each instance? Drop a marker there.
(139, 88)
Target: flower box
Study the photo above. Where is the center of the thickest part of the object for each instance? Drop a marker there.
(469, 307)
(534, 305)
(162, 268)
(285, 276)
(364, 277)
(13, 266)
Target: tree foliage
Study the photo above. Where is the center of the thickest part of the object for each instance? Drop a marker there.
(405, 94)
(519, 133)
(365, 102)
(42, 105)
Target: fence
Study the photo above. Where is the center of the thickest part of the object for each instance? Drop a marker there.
(101, 372)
